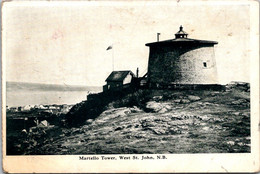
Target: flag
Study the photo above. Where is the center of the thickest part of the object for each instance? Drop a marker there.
(109, 48)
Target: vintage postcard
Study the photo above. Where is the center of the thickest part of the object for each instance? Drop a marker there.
(130, 86)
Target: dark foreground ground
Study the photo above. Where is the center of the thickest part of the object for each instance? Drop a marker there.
(161, 122)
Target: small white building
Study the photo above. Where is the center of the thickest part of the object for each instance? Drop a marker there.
(118, 78)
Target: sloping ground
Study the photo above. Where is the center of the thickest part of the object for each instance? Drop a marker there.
(159, 121)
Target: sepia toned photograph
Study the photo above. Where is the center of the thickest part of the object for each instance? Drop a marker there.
(120, 79)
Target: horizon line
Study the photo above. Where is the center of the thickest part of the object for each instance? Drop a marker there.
(64, 84)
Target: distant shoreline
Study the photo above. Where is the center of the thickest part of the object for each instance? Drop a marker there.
(25, 98)
(51, 108)
(13, 86)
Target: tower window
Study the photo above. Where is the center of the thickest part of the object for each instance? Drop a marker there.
(205, 64)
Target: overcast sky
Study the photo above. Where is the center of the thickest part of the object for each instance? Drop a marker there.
(66, 44)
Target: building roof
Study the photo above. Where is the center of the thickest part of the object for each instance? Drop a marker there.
(181, 39)
(181, 32)
(118, 76)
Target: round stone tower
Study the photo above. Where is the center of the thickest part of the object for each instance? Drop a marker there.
(182, 61)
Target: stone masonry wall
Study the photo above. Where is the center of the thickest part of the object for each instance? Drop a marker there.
(182, 65)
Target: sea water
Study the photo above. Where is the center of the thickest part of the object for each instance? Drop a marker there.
(22, 94)
(23, 98)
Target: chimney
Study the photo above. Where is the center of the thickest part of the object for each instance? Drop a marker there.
(137, 71)
(158, 35)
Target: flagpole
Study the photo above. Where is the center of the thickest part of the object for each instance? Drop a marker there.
(113, 58)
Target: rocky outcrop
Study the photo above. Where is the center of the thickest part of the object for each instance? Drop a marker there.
(204, 126)
(243, 86)
(154, 121)
(94, 106)
(162, 121)
(97, 103)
